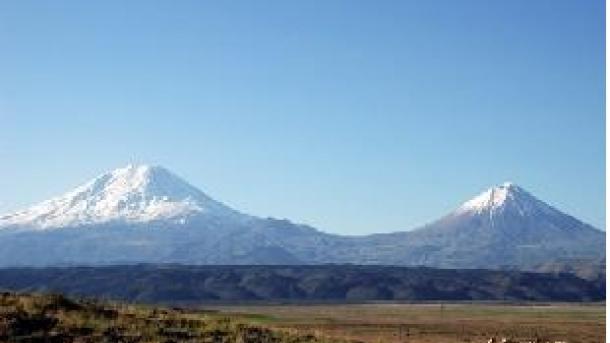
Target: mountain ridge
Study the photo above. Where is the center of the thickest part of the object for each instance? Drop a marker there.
(504, 225)
(297, 283)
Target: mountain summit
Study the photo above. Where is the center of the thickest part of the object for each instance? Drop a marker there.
(495, 197)
(146, 214)
(507, 197)
(135, 193)
(511, 208)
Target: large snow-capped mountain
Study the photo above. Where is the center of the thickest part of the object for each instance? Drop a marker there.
(134, 194)
(143, 213)
(147, 214)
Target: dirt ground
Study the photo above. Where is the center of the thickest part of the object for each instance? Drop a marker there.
(438, 323)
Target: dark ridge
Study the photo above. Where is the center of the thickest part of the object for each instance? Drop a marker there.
(148, 283)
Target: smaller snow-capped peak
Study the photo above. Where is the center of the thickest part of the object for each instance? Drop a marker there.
(507, 196)
(491, 198)
(135, 193)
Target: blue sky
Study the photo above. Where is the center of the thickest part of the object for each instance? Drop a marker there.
(352, 116)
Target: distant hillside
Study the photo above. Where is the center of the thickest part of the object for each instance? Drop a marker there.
(196, 284)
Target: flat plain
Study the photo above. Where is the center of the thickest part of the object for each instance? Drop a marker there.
(439, 323)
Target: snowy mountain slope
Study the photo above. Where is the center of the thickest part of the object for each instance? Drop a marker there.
(505, 197)
(147, 214)
(136, 193)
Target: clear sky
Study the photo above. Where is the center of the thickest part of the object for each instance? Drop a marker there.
(352, 116)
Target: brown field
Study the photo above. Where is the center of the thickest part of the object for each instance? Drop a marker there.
(438, 323)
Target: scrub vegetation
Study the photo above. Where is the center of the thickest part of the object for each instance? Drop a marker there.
(54, 318)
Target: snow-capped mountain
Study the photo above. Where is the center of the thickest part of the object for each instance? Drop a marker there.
(510, 208)
(147, 214)
(504, 226)
(505, 197)
(136, 194)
